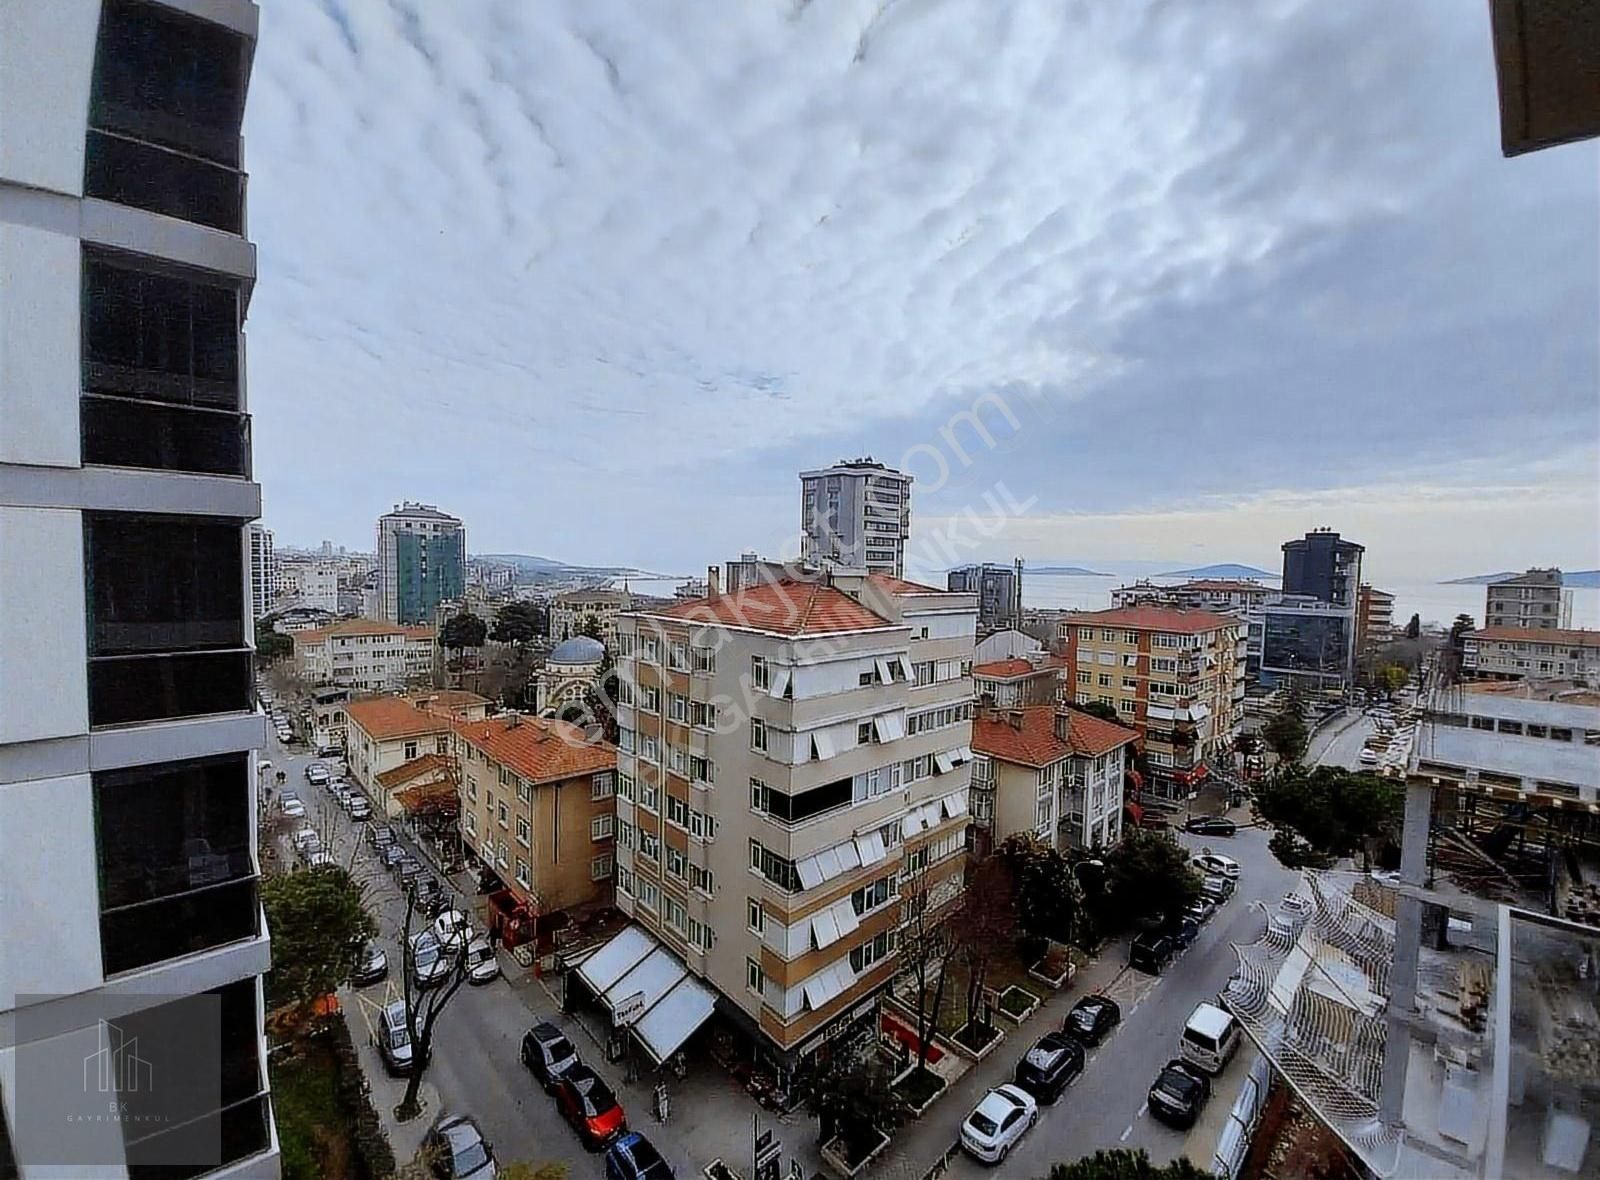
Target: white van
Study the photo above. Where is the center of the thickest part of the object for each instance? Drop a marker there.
(1210, 1039)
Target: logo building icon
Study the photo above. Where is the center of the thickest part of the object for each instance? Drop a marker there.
(116, 1066)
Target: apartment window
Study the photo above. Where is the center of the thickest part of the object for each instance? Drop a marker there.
(676, 863)
(760, 673)
(872, 951)
(866, 678)
(703, 659)
(625, 787)
(176, 866)
(753, 979)
(624, 882)
(776, 869)
(758, 735)
(1085, 677)
(870, 897)
(410, 751)
(755, 917)
(166, 617)
(600, 827)
(649, 845)
(703, 714)
(601, 867)
(652, 649)
(649, 894)
(650, 797)
(649, 698)
(522, 874)
(503, 815)
(625, 834)
(700, 935)
(863, 733)
(702, 827)
(603, 785)
(649, 748)
(678, 657)
(677, 707)
(677, 811)
(673, 913)
(625, 739)
(625, 644)
(702, 770)
(472, 823)
(625, 694)
(702, 880)
(1129, 684)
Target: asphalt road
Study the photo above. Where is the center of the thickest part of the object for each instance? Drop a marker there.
(1106, 1107)
(1342, 747)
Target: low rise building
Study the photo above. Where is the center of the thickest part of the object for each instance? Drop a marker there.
(329, 724)
(1174, 676)
(386, 733)
(1533, 599)
(571, 610)
(1374, 617)
(1034, 679)
(1055, 773)
(1515, 653)
(1006, 644)
(538, 806)
(364, 656)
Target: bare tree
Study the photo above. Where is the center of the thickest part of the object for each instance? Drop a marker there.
(923, 947)
(985, 921)
(424, 1006)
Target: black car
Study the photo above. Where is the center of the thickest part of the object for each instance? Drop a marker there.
(455, 1149)
(633, 1157)
(1151, 952)
(373, 967)
(426, 893)
(1178, 1093)
(1091, 1019)
(1210, 825)
(547, 1052)
(1050, 1066)
(1183, 932)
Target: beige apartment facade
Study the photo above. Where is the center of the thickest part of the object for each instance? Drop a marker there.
(537, 806)
(570, 609)
(1176, 677)
(364, 656)
(794, 763)
(1531, 653)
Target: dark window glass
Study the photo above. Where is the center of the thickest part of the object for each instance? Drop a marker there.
(171, 829)
(124, 690)
(122, 433)
(152, 178)
(163, 584)
(161, 336)
(155, 931)
(169, 79)
(794, 808)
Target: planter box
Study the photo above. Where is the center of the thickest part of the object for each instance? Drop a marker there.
(1026, 1004)
(974, 1054)
(717, 1170)
(917, 1109)
(833, 1155)
(1053, 982)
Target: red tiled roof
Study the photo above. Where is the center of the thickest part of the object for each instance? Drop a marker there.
(1151, 618)
(1009, 669)
(415, 769)
(787, 606)
(446, 700)
(539, 749)
(360, 627)
(1035, 743)
(896, 585)
(1216, 584)
(386, 718)
(434, 798)
(1552, 635)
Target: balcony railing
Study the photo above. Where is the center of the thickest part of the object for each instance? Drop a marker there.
(160, 180)
(167, 928)
(124, 690)
(119, 432)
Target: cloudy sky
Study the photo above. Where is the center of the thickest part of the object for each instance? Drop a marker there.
(601, 276)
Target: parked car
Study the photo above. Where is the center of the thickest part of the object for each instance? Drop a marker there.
(1179, 1093)
(392, 1038)
(1150, 952)
(633, 1157)
(330, 751)
(305, 838)
(998, 1122)
(1050, 1067)
(373, 967)
(427, 895)
(380, 835)
(289, 803)
(1212, 862)
(1092, 1018)
(392, 855)
(456, 1149)
(453, 929)
(319, 857)
(1183, 932)
(317, 774)
(547, 1053)
(312, 848)
(1201, 909)
(1217, 889)
(1210, 1038)
(341, 793)
(586, 1102)
(358, 807)
(429, 964)
(1368, 756)
(409, 869)
(482, 964)
(1210, 825)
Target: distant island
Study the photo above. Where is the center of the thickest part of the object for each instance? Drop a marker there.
(1075, 571)
(1226, 570)
(1574, 580)
(1479, 579)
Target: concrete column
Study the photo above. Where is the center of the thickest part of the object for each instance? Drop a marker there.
(1407, 950)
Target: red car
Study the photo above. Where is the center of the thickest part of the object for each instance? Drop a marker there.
(589, 1105)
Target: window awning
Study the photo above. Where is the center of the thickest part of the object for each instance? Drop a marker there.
(911, 825)
(905, 668)
(943, 762)
(830, 924)
(664, 1028)
(893, 724)
(955, 804)
(823, 744)
(961, 754)
(870, 848)
(828, 984)
(780, 683)
(884, 675)
(827, 863)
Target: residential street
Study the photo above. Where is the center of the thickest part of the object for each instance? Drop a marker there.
(476, 1068)
(1339, 744)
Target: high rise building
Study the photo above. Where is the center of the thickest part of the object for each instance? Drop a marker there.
(1374, 617)
(1312, 634)
(1324, 566)
(263, 572)
(131, 930)
(1531, 599)
(422, 561)
(999, 591)
(792, 773)
(856, 514)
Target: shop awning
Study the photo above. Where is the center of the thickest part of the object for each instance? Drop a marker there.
(664, 1028)
(615, 959)
(646, 985)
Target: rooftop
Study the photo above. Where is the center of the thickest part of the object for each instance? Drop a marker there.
(1032, 740)
(787, 607)
(1017, 669)
(1547, 635)
(446, 700)
(387, 718)
(410, 771)
(349, 627)
(1152, 618)
(1226, 585)
(537, 748)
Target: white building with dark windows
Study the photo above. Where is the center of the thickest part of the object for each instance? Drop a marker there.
(857, 515)
(263, 572)
(128, 726)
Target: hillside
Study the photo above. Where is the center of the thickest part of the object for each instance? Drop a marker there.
(1225, 570)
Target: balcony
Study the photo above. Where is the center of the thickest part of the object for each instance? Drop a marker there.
(118, 432)
(170, 927)
(126, 690)
(162, 180)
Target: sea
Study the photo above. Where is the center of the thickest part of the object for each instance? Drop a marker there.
(1436, 602)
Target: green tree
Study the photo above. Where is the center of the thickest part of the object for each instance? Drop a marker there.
(1148, 876)
(1392, 677)
(591, 627)
(1046, 894)
(319, 923)
(463, 630)
(271, 646)
(1285, 732)
(1325, 813)
(850, 1096)
(517, 622)
(1098, 709)
(1124, 1164)
(1414, 627)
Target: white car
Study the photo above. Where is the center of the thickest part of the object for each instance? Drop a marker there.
(292, 807)
(317, 774)
(1368, 756)
(998, 1122)
(482, 965)
(452, 928)
(305, 838)
(1217, 865)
